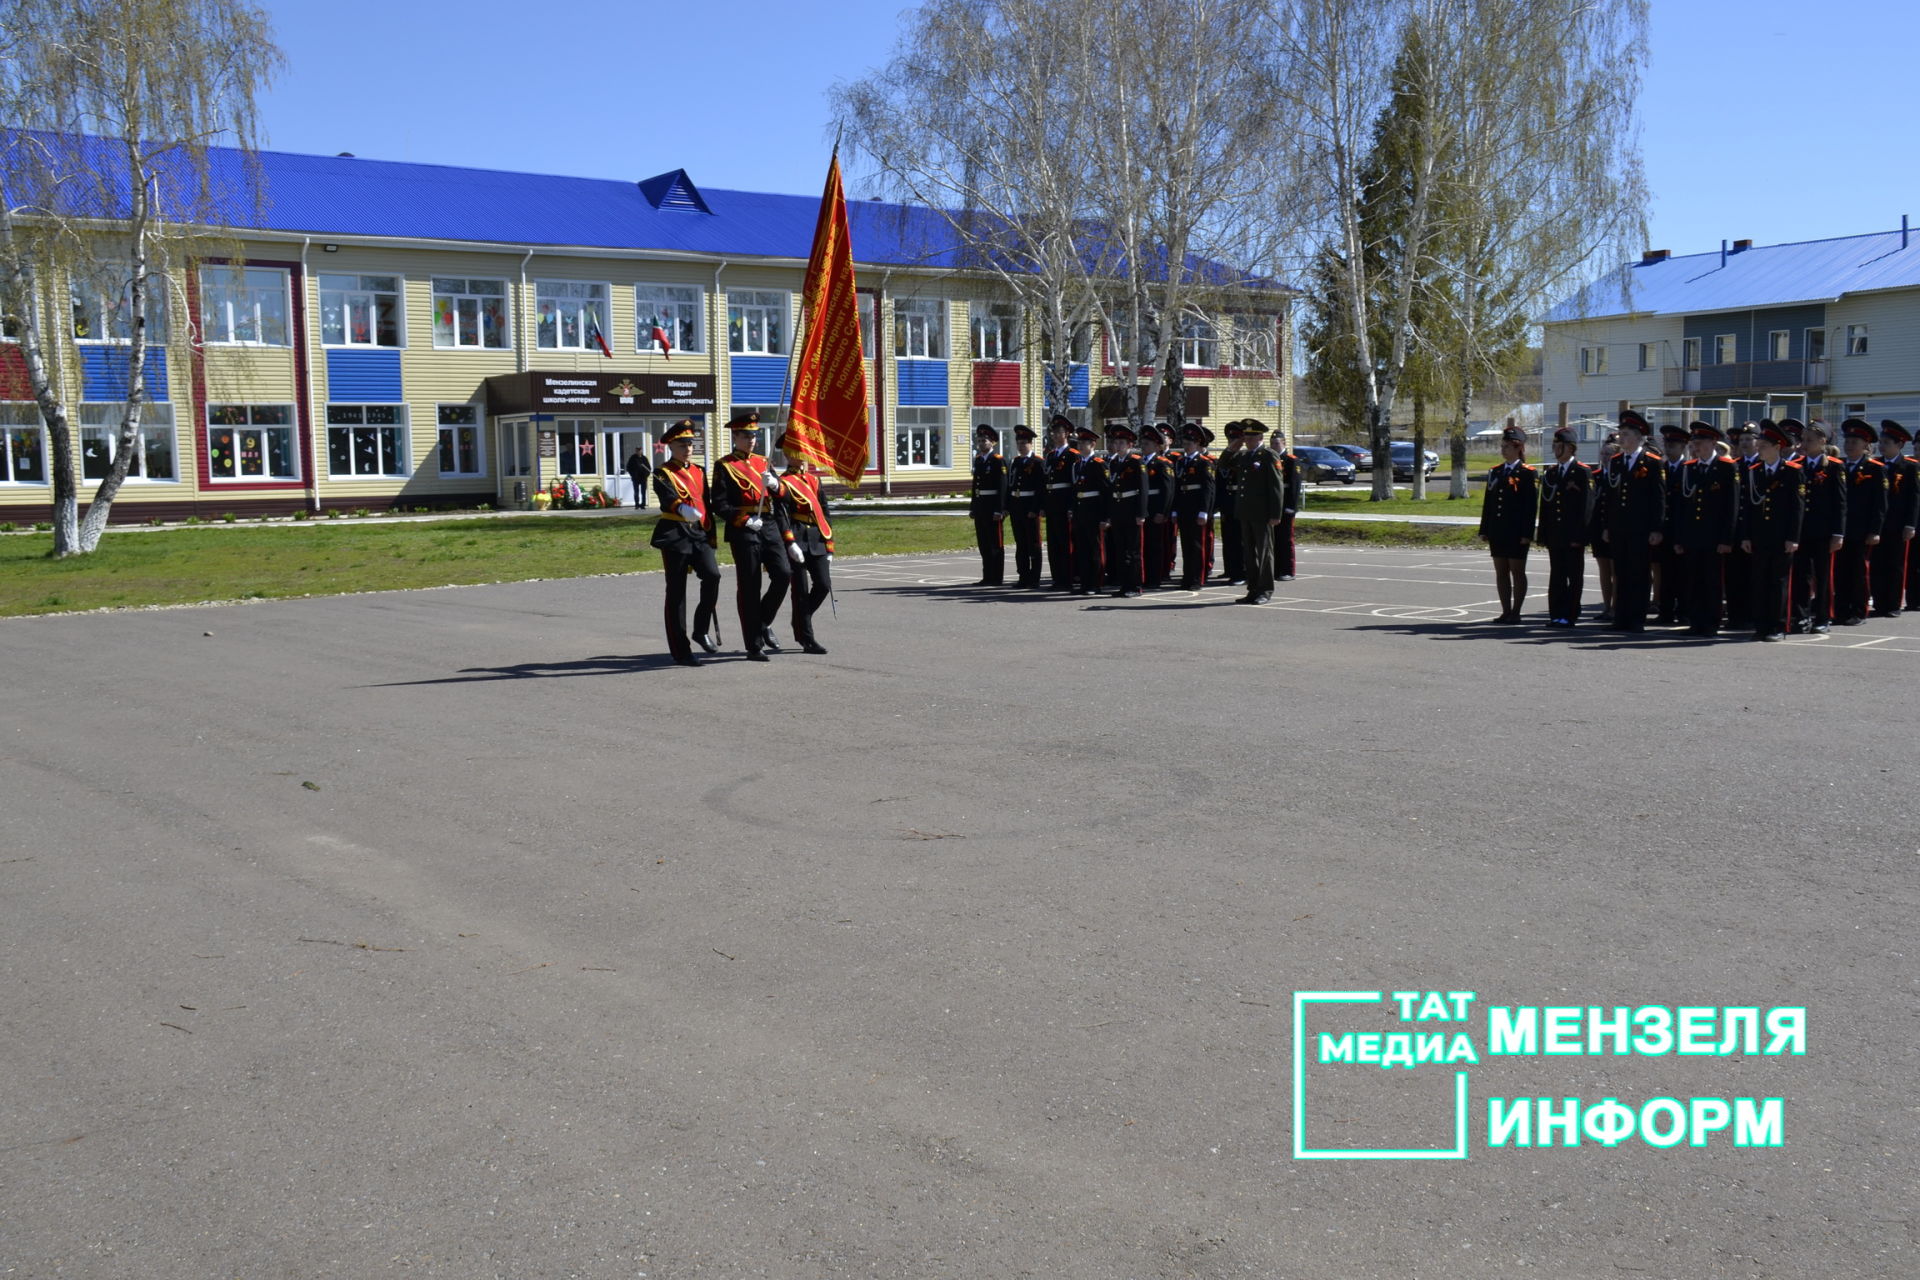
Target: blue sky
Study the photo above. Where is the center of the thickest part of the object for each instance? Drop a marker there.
(1765, 119)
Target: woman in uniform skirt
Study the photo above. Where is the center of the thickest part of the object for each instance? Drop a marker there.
(1507, 515)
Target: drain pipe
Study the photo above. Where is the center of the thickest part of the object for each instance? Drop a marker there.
(315, 423)
(713, 345)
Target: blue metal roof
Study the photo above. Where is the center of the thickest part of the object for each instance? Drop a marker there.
(1773, 275)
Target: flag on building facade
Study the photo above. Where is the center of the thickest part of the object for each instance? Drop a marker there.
(590, 316)
(660, 340)
(827, 422)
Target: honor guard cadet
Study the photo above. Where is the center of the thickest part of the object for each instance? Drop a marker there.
(1508, 513)
(1889, 569)
(1159, 535)
(1636, 520)
(1193, 506)
(1746, 451)
(1263, 503)
(1062, 466)
(1092, 499)
(1666, 587)
(743, 489)
(1566, 491)
(1295, 489)
(1866, 517)
(1823, 525)
(1771, 506)
(1705, 510)
(988, 505)
(1127, 512)
(811, 526)
(684, 537)
(1227, 476)
(1597, 518)
(1026, 497)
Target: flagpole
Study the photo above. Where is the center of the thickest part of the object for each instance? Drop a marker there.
(799, 330)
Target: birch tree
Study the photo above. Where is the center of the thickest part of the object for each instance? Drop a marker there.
(110, 111)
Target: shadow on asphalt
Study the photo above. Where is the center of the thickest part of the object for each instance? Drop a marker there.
(970, 594)
(1594, 637)
(606, 665)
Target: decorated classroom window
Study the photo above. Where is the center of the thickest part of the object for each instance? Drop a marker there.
(920, 437)
(359, 311)
(244, 305)
(920, 329)
(469, 313)
(251, 442)
(23, 457)
(460, 440)
(1253, 342)
(668, 311)
(757, 322)
(996, 331)
(100, 439)
(578, 448)
(103, 311)
(572, 315)
(1199, 347)
(366, 440)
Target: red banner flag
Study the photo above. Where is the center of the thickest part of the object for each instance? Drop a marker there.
(827, 423)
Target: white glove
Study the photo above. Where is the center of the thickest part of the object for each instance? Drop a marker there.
(686, 512)
(753, 523)
(773, 483)
(827, 558)
(799, 556)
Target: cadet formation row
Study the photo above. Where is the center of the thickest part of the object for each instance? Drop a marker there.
(1770, 532)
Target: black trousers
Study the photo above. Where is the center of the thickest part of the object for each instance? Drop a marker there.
(755, 554)
(1702, 574)
(1850, 578)
(1196, 552)
(1772, 588)
(1888, 572)
(993, 549)
(1026, 548)
(1156, 545)
(1089, 555)
(1632, 580)
(703, 564)
(1283, 563)
(1232, 548)
(1812, 584)
(1739, 588)
(1256, 556)
(1566, 578)
(1060, 548)
(812, 584)
(1673, 580)
(1124, 537)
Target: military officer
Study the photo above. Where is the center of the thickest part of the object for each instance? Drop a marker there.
(1636, 520)
(1227, 475)
(1269, 491)
(1823, 525)
(1771, 506)
(1026, 501)
(1062, 465)
(1705, 511)
(1889, 568)
(1667, 585)
(1566, 488)
(1866, 484)
(1746, 449)
(1508, 514)
(1159, 534)
(1127, 513)
(685, 538)
(743, 496)
(811, 526)
(988, 505)
(1092, 501)
(1193, 506)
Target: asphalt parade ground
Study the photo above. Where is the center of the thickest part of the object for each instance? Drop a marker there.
(458, 933)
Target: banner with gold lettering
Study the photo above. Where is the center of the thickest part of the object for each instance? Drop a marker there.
(827, 422)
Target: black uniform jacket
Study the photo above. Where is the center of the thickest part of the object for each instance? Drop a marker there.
(1062, 466)
(1129, 472)
(1092, 490)
(1160, 484)
(1507, 512)
(1866, 497)
(808, 517)
(1026, 484)
(1193, 485)
(677, 486)
(1903, 496)
(1565, 495)
(1706, 504)
(989, 486)
(1772, 505)
(1825, 481)
(1636, 498)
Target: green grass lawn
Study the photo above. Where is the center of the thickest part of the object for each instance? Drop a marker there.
(188, 566)
(1402, 504)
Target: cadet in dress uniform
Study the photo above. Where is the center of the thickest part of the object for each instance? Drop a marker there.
(1508, 514)
(1771, 507)
(1597, 517)
(1566, 494)
(1666, 585)
(1636, 520)
(811, 526)
(1228, 473)
(743, 491)
(1159, 535)
(1092, 500)
(1746, 450)
(1062, 466)
(1127, 514)
(1889, 568)
(1193, 506)
(1866, 517)
(685, 538)
(988, 505)
(1823, 525)
(1705, 514)
(1026, 498)
(1270, 489)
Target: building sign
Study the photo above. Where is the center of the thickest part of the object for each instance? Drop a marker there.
(680, 394)
(549, 445)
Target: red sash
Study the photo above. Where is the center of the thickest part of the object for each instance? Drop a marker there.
(690, 483)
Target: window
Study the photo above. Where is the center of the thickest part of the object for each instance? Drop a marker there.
(1690, 353)
(102, 311)
(359, 311)
(1649, 356)
(866, 325)
(24, 460)
(578, 452)
(757, 322)
(367, 440)
(1123, 345)
(673, 308)
(1002, 421)
(516, 449)
(244, 305)
(1593, 360)
(469, 313)
(1253, 342)
(1856, 410)
(573, 315)
(1856, 339)
(996, 331)
(100, 435)
(920, 437)
(1779, 343)
(1079, 344)
(920, 329)
(460, 440)
(251, 441)
(1199, 349)
(1816, 344)
(1725, 349)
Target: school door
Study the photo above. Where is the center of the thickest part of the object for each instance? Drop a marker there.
(618, 445)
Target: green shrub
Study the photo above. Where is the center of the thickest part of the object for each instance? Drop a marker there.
(229, 517)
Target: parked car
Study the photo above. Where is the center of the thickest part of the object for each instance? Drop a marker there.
(1403, 460)
(1322, 466)
(1362, 459)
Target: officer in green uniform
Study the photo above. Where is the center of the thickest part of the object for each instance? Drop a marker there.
(1265, 499)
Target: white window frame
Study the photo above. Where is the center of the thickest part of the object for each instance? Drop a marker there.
(439, 287)
(1199, 343)
(925, 427)
(100, 421)
(758, 321)
(240, 305)
(591, 429)
(519, 445)
(1779, 344)
(649, 298)
(571, 297)
(90, 306)
(19, 420)
(362, 296)
(1726, 348)
(869, 323)
(920, 329)
(1003, 419)
(1856, 339)
(1649, 356)
(1593, 362)
(1256, 342)
(1691, 353)
(997, 331)
(291, 426)
(1812, 338)
(401, 428)
(479, 428)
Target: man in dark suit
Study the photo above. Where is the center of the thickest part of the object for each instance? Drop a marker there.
(1566, 490)
(1705, 511)
(1026, 497)
(1509, 511)
(638, 469)
(1771, 507)
(1866, 517)
(987, 504)
(1062, 462)
(1636, 520)
(1889, 569)
(1823, 526)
